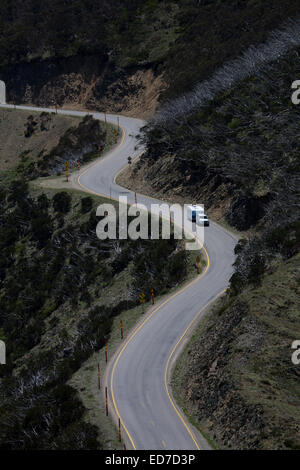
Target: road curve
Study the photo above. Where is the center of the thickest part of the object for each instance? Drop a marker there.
(138, 374)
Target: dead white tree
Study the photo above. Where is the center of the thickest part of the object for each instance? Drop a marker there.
(249, 63)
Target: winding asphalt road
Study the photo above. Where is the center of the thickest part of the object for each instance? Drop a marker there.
(138, 374)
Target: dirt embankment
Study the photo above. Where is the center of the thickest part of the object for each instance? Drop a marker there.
(236, 377)
(85, 82)
(142, 179)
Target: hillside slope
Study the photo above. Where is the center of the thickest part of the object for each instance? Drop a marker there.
(240, 148)
(29, 133)
(127, 56)
(238, 153)
(236, 377)
(60, 290)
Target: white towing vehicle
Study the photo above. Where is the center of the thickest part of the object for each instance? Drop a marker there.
(195, 213)
(192, 212)
(202, 219)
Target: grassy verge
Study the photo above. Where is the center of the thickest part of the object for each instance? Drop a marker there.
(111, 141)
(85, 379)
(20, 147)
(32, 137)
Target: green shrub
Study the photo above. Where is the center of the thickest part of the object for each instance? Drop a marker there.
(62, 202)
(86, 204)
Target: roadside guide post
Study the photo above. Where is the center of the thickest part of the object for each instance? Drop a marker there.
(120, 436)
(152, 295)
(106, 401)
(105, 348)
(142, 298)
(99, 377)
(67, 170)
(121, 328)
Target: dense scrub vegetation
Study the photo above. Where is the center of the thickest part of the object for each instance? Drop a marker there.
(55, 279)
(78, 144)
(58, 29)
(53, 270)
(186, 40)
(213, 32)
(236, 377)
(239, 153)
(241, 147)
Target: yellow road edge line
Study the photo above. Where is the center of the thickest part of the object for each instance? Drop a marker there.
(123, 168)
(97, 163)
(86, 189)
(136, 331)
(168, 364)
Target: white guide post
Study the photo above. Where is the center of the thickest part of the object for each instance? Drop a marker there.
(2, 93)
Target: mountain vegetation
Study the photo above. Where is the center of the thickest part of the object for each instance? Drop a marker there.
(236, 377)
(241, 147)
(28, 133)
(226, 135)
(237, 151)
(55, 279)
(182, 41)
(55, 320)
(48, 141)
